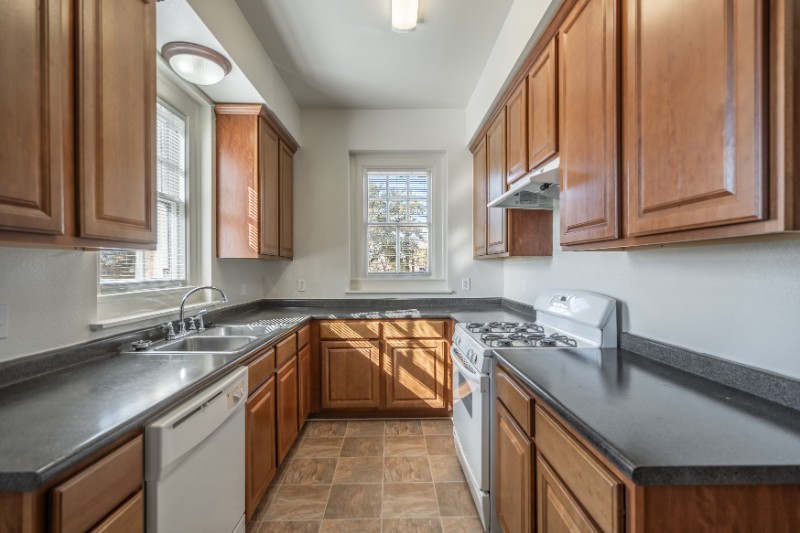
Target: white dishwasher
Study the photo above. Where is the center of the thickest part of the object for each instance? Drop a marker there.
(195, 462)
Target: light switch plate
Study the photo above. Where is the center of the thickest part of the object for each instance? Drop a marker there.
(3, 321)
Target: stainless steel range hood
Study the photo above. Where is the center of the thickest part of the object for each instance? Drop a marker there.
(536, 190)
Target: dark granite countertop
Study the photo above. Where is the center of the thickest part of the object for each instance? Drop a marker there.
(63, 414)
(660, 425)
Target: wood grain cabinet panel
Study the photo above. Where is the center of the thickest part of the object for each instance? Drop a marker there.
(479, 199)
(515, 400)
(32, 160)
(303, 385)
(415, 374)
(556, 509)
(286, 214)
(414, 329)
(513, 475)
(260, 370)
(260, 442)
(694, 114)
(128, 518)
(116, 77)
(517, 133)
(351, 374)
(496, 223)
(349, 329)
(588, 109)
(268, 210)
(542, 108)
(287, 407)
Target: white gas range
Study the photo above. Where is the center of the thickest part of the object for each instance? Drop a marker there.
(564, 319)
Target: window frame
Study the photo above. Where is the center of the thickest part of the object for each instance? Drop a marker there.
(429, 199)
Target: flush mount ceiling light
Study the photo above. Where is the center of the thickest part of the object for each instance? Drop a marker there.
(196, 64)
(404, 15)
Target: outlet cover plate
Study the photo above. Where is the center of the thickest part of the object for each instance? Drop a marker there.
(466, 284)
(3, 321)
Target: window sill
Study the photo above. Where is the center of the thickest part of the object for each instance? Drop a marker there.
(398, 286)
(149, 316)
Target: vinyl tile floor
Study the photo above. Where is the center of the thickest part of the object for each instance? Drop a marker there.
(381, 476)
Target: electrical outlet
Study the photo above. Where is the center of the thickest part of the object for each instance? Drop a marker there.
(301, 285)
(3, 321)
(466, 284)
(243, 289)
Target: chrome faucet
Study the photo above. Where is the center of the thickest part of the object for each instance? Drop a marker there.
(182, 331)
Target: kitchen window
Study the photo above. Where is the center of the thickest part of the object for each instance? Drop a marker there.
(166, 266)
(398, 222)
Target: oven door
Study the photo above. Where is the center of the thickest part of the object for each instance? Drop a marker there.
(471, 401)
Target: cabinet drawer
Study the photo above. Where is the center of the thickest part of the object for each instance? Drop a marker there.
(516, 400)
(303, 336)
(351, 329)
(594, 487)
(286, 349)
(129, 518)
(260, 370)
(81, 501)
(413, 329)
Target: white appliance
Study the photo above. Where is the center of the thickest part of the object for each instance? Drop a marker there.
(564, 319)
(195, 464)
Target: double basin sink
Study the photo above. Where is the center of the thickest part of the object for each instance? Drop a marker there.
(225, 339)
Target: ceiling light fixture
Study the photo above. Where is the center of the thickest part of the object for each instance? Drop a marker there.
(404, 15)
(195, 63)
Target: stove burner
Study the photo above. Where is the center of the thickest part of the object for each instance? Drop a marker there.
(473, 325)
(547, 341)
(503, 342)
(533, 326)
(489, 337)
(564, 339)
(532, 336)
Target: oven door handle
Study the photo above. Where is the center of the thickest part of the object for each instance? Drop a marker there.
(470, 374)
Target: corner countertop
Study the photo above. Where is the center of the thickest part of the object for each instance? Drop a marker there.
(52, 421)
(660, 425)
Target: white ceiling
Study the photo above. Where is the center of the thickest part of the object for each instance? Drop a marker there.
(344, 54)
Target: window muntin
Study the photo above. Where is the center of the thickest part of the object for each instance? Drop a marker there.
(398, 222)
(122, 270)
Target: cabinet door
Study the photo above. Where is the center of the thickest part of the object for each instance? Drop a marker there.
(415, 374)
(269, 198)
(287, 199)
(351, 373)
(479, 200)
(517, 132)
(31, 139)
(542, 108)
(287, 407)
(260, 441)
(694, 114)
(115, 49)
(556, 509)
(304, 384)
(587, 82)
(496, 232)
(514, 471)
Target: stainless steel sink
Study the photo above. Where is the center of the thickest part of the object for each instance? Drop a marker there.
(207, 344)
(238, 330)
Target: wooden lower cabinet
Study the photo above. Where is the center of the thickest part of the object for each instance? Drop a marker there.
(260, 441)
(415, 374)
(287, 407)
(557, 511)
(303, 385)
(129, 518)
(514, 483)
(351, 374)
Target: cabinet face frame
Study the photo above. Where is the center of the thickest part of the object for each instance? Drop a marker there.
(679, 173)
(115, 202)
(588, 118)
(33, 178)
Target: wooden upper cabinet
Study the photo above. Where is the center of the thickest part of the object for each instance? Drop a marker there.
(254, 184)
(351, 374)
(542, 108)
(694, 114)
(513, 475)
(496, 223)
(479, 200)
(416, 374)
(286, 224)
(115, 53)
(269, 190)
(32, 160)
(517, 133)
(588, 113)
